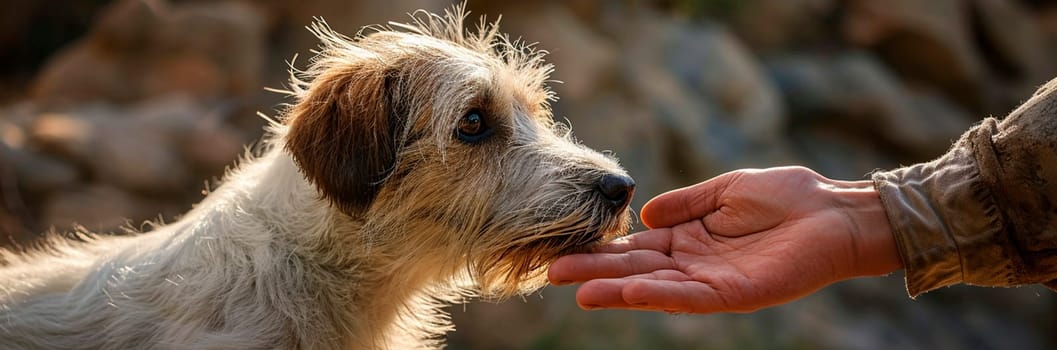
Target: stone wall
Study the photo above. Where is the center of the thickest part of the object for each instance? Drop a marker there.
(140, 105)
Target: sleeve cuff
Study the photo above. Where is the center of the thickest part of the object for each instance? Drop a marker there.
(944, 220)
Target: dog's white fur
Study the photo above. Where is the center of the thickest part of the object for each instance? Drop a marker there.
(265, 261)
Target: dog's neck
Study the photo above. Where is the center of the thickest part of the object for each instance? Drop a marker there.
(368, 274)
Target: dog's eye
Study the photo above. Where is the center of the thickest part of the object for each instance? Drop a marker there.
(471, 128)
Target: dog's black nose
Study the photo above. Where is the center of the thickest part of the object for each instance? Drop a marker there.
(617, 189)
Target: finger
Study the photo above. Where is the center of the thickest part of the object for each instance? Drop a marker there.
(583, 267)
(659, 240)
(684, 204)
(675, 296)
(609, 293)
(603, 294)
(662, 274)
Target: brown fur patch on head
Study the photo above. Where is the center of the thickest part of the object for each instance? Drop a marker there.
(343, 133)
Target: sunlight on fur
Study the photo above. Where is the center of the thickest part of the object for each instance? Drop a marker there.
(417, 166)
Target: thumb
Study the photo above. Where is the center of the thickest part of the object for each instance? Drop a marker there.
(685, 204)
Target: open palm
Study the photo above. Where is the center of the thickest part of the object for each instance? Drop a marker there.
(739, 242)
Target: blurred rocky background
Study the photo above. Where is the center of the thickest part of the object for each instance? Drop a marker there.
(117, 112)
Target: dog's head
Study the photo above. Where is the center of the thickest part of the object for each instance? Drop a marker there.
(443, 142)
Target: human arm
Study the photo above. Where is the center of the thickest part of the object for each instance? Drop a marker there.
(985, 213)
(739, 242)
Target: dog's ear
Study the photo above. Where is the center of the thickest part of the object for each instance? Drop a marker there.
(343, 134)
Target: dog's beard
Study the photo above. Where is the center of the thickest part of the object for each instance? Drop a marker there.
(519, 265)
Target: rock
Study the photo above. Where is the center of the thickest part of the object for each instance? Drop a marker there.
(11, 135)
(939, 121)
(97, 208)
(683, 120)
(924, 41)
(127, 26)
(19, 115)
(211, 147)
(139, 159)
(1047, 19)
(584, 60)
(81, 73)
(837, 154)
(1016, 39)
(207, 50)
(711, 65)
(66, 135)
(137, 148)
(37, 173)
(859, 93)
(483, 316)
(31, 31)
(716, 65)
(346, 17)
(715, 107)
(774, 25)
(873, 97)
(343, 16)
(182, 73)
(176, 114)
(220, 43)
(1016, 49)
(808, 86)
(12, 229)
(199, 136)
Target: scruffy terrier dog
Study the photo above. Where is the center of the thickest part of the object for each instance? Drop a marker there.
(418, 166)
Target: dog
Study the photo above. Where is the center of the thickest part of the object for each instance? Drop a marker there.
(418, 165)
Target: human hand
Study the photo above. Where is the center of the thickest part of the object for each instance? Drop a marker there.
(739, 242)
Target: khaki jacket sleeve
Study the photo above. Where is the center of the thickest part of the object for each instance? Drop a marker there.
(985, 213)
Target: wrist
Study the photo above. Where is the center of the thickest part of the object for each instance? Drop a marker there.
(872, 244)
